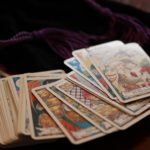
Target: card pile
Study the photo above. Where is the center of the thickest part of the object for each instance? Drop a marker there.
(107, 91)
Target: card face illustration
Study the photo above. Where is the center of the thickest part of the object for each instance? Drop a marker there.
(110, 113)
(132, 108)
(94, 119)
(126, 70)
(139, 106)
(83, 57)
(75, 65)
(76, 78)
(17, 84)
(74, 126)
(42, 125)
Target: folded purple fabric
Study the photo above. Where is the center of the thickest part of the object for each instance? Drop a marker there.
(63, 42)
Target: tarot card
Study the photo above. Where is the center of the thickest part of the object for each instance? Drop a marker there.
(83, 57)
(24, 126)
(79, 107)
(9, 94)
(98, 106)
(23, 116)
(5, 132)
(111, 44)
(27, 129)
(125, 69)
(52, 74)
(7, 113)
(75, 127)
(14, 84)
(58, 71)
(133, 108)
(41, 124)
(75, 65)
(3, 74)
(1, 131)
(4, 136)
(76, 78)
(12, 105)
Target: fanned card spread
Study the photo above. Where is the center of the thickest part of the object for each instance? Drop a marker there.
(108, 90)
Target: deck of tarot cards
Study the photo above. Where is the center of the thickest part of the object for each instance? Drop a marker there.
(107, 91)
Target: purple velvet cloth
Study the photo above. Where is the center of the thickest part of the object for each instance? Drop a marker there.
(63, 42)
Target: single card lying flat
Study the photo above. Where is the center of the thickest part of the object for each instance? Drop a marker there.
(125, 69)
(41, 124)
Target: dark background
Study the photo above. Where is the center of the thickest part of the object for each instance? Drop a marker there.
(29, 15)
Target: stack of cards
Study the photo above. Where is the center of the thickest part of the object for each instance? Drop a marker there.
(23, 120)
(111, 80)
(107, 91)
